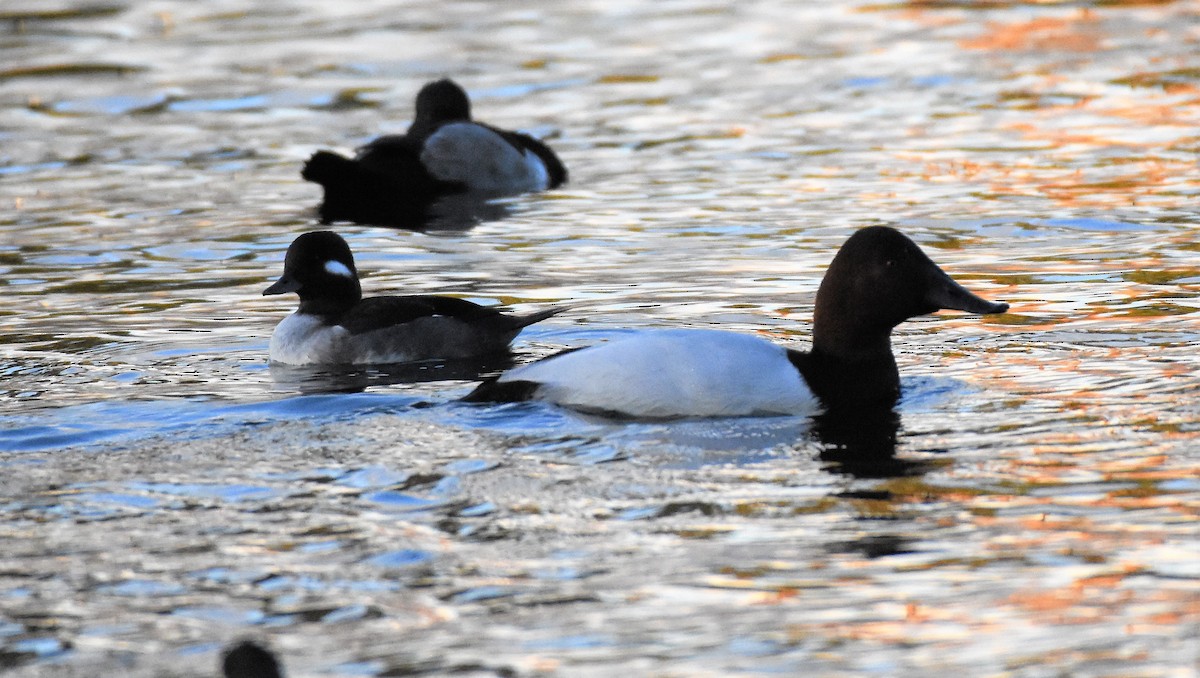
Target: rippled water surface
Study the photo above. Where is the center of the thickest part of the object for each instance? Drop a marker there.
(166, 492)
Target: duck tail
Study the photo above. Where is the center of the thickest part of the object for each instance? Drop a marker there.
(521, 321)
(359, 193)
(328, 168)
(495, 391)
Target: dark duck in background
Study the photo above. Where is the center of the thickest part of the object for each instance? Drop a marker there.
(395, 180)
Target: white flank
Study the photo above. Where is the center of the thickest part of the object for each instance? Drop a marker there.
(478, 157)
(302, 339)
(675, 373)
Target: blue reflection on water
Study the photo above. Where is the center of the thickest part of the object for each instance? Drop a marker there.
(401, 558)
(35, 167)
(210, 490)
(80, 425)
(40, 437)
(370, 477)
(112, 105)
(133, 501)
(482, 593)
(143, 587)
(367, 668)
(43, 647)
(1085, 224)
(345, 614)
(225, 575)
(536, 428)
(561, 643)
(221, 615)
(254, 102)
(399, 500)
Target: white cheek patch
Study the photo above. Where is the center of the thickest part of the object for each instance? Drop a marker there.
(338, 268)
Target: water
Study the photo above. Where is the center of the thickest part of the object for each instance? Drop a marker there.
(166, 492)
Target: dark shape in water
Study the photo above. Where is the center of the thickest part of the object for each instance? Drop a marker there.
(875, 546)
(397, 180)
(311, 379)
(247, 659)
(863, 444)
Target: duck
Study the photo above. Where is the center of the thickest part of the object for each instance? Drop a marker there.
(336, 325)
(394, 179)
(248, 659)
(878, 279)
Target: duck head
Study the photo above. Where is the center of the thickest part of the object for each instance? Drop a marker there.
(878, 279)
(320, 269)
(441, 101)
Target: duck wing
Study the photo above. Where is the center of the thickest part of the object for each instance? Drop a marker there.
(404, 329)
(385, 183)
(374, 313)
(399, 158)
(556, 171)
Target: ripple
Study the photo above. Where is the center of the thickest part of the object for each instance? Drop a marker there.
(84, 425)
(1085, 224)
(401, 558)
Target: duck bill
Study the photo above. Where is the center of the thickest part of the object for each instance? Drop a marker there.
(282, 286)
(945, 293)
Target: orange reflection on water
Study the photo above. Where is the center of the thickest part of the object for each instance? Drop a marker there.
(1077, 33)
(1068, 117)
(1142, 182)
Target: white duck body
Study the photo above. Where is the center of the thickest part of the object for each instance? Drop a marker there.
(674, 373)
(304, 339)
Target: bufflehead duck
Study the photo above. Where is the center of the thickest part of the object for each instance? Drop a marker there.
(335, 325)
(394, 179)
(878, 279)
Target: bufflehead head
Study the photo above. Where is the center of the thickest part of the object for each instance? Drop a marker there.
(320, 268)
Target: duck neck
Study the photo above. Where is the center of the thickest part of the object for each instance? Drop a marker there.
(853, 347)
(850, 372)
(333, 303)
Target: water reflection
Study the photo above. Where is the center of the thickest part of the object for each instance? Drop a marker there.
(462, 212)
(306, 379)
(875, 546)
(863, 445)
(449, 213)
